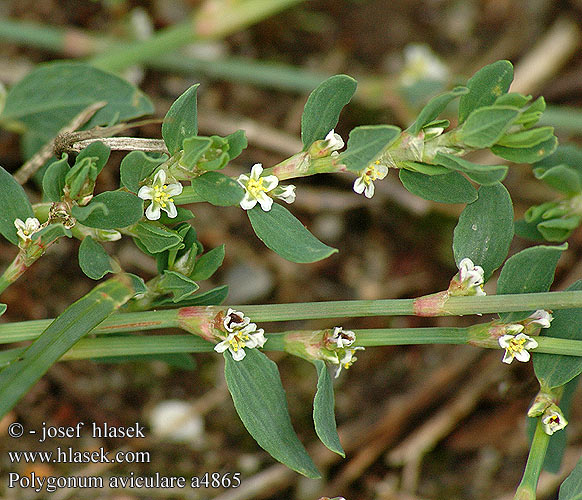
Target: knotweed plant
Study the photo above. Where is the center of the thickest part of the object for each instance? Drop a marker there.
(157, 181)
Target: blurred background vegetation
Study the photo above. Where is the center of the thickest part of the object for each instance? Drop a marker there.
(417, 423)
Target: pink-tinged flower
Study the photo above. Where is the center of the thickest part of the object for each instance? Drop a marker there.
(248, 337)
(365, 182)
(25, 230)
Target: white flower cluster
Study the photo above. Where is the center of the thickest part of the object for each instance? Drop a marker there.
(471, 277)
(257, 189)
(365, 182)
(25, 230)
(516, 343)
(161, 195)
(241, 333)
(340, 342)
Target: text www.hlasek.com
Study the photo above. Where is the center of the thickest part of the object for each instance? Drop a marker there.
(69, 455)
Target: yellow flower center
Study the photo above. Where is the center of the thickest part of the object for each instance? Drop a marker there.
(371, 173)
(516, 345)
(255, 186)
(238, 342)
(161, 197)
(554, 419)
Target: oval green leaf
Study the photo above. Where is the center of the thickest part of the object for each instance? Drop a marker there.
(52, 95)
(366, 143)
(93, 259)
(217, 189)
(53, 181)
(259, 398)
(447, 188)
(485, 87)
(181, 120)
(15, 205)
(280, 231)
(135, 167)
(485, 126)
(323, 410)
(323, 107)
(529, 271)
(485, 229)
(555, 370)
(155, 237)
(207, 264)
(571, 488)
(121, 210)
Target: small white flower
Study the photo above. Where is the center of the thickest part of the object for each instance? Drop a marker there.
(342, 338)
(553, 420)
(334, 141)
(161, 195)
(542, 318)
(235, 320)
(517, 346)
(25, 230)
(285, 193)
(237, 340)
(365, 182)
(256, 188)
(107, 234)
(348, 359)
(471, 277)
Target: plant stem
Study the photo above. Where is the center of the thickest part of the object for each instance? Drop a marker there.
(13, 332)
(537, 453)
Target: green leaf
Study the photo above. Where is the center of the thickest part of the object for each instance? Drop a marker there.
(560, 177)
(485, 175)
(53, 181)
(529, 271)
(178, 285)
(558, 229)
(217, 189)
(99, 154)
(47, 99)
(366, 143)
(213, 297)
(323, 107)
(513, 99)
(527, 230)
(435, 107)
(555, 370)
(565, 154)
(93, 259)
(3, 308)
(527, 138)
(137, 166)
(52, 232)
(527, 155)
(425, 168)
(181, 120)
(485, 126)
(207, 264)
(122, 210)
(447, 188)
(571, 488)
(15, 205)
(485, 229)
(237, 142)
(255, 386)
(155, 237)
(280, 231)
(485, 87)
(64, 332)
(194, 148)
(323, 410)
